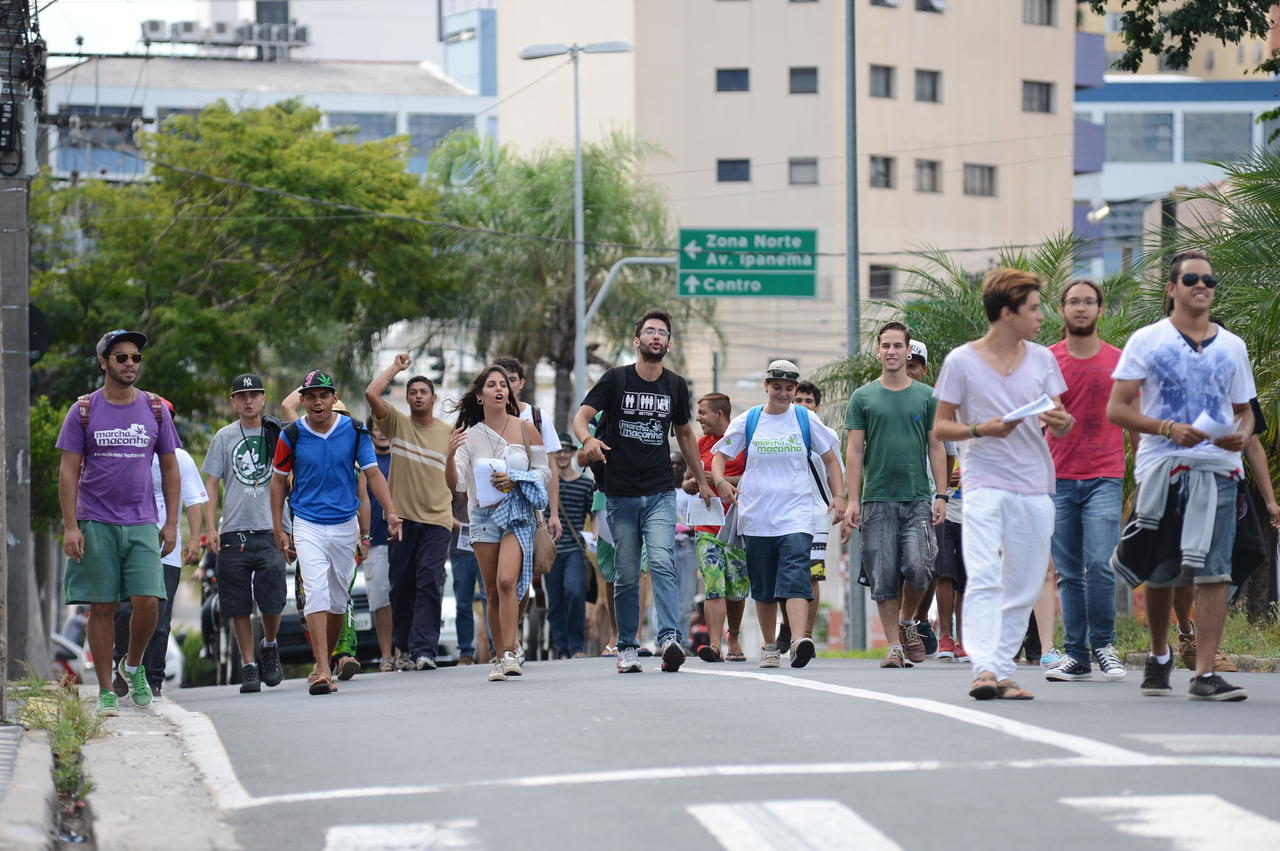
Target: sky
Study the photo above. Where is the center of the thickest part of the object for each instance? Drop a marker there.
(108, 26)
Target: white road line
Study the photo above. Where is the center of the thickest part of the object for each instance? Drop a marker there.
(455, 834)
(210, 758)
(1017, 729)
(1189, 822)
(1219, 743)
(801, 825)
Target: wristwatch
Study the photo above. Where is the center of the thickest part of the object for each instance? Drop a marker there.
(942, 496)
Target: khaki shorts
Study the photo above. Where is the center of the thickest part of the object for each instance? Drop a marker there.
(119, 562)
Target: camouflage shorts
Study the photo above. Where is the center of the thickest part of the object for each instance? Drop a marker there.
(724, 571)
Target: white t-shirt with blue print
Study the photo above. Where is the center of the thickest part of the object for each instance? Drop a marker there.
(1179, 383)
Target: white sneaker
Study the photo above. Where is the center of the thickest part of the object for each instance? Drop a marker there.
(769, 656)
(496, 672)
(1109, 662)
(511, 664)
(520, 653)
(629, 661)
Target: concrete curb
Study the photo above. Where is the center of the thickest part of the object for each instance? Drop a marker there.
(29, 808)
(1246, 664)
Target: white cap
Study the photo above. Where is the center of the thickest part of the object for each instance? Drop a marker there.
(919, 351)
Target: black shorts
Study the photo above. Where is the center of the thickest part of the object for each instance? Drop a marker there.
(950, 563)
(250, 569)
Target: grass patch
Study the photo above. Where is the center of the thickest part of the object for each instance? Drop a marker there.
(869, 653)
(70, 722)
(1240, 636)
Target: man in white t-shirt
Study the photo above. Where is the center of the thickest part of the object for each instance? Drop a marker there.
(775, 502)
(1007, 475)
(550, 439)
(1195, 383)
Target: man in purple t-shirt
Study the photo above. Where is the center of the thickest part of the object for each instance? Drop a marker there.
(1007, 474)
(108, 440)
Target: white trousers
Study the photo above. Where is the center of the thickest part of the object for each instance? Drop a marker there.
(326, 563)
(1006, 552)
(377, 577)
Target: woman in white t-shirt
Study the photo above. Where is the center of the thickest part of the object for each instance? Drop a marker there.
(774, 502)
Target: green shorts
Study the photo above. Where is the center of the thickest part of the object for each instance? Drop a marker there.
(724, 571)
(119, 562)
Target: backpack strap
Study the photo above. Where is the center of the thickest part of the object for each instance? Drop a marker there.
(157, 407)
(802, 416)
(537, 418)
(753, 420)
(290, 432)
(83, 404)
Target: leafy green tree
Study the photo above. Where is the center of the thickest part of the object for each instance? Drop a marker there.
(518, 293)
(1172, 30)
(220, 274)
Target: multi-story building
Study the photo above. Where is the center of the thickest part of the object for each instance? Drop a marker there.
(965, 136)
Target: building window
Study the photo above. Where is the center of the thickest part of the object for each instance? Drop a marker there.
(1139, 137)
(931, 5)
(929, 86)
(804, 81)
(733, 80)
(1036, 96)
(1040, 13)
(426, 131)
(893, 3)
(803, 171)
(980, 180)
(882, 81)
(363, 126)
(1208, 60)
(882, 172)
(733, 171)
(928, 176)
(1111, 22)
(879, 281)
(102, 142)
(1216, 136)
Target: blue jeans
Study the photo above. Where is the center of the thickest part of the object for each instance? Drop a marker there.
(651, 519)
(466, 576)
(1085, 534)
(566, 586)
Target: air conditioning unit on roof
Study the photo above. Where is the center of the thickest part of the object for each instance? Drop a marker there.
(154, 30)
(189, 32)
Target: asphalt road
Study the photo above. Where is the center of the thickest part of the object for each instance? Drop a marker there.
(837, 755)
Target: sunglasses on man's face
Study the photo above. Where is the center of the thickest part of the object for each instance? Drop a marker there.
(125, 357)
(1191, 279)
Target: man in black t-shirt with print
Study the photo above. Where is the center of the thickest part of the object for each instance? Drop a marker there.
(641, 402)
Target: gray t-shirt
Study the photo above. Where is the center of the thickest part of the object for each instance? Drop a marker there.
(238, 456)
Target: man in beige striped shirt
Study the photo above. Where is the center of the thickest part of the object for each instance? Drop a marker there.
(419, 442)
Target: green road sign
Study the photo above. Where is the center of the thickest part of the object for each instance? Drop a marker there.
(762, 262)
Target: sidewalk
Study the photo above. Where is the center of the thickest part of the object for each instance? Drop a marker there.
(28, 802)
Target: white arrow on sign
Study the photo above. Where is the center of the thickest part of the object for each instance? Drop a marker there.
(692, 249)
(691, 284)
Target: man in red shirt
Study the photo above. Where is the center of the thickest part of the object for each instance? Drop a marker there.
(1090, 465)
(724, 570)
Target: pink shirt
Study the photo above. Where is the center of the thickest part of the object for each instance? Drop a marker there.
(1020, 462)
(1094, 448)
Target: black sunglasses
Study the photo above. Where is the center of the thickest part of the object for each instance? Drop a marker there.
(785, 376)
(1191, 279)
(125, 357)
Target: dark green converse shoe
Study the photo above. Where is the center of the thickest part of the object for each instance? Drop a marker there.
(139, 688)
(108, 704)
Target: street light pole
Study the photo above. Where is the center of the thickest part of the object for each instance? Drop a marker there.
(541, 51)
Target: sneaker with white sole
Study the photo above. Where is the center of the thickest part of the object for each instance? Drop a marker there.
(629, 661)
(426, 663)
(520, 654)
(496, 672)
(769, 656)
(108, 704)
(1214, 687)
(1050, 658)
(1109, 662)
(139, 688)
(1155, 677)
(1068, 671)
(802, 652)
(672, 655)
(511, 664)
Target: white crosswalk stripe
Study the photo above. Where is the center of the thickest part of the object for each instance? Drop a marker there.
(1188, 822)
(458, 834)
(800, 825)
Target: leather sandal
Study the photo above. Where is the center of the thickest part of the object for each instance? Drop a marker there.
(984, 687)
(1009, 690)
(321, 685)
(707, 653)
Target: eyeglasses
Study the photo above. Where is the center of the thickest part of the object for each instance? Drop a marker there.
(1191, 279)
(1081, 302)
(125, 357)
(656, 332)
(785, 376)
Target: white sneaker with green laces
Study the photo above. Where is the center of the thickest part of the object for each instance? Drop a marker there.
(139, 688)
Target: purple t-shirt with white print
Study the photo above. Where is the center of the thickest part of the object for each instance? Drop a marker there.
(117, 445)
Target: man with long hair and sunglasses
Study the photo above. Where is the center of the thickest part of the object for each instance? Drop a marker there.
(1195, 382)
(109, 515)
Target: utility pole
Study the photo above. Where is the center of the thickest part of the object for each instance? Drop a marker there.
(856, 626)
(22, 638)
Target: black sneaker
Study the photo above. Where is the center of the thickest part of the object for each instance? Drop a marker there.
(784, 638)
(1214, 687)
(1070, 670)
(155, 688)
(118, 684)
(672, 656)
(269, 662)
(925, 630)
(249, 680)
(1155, 677)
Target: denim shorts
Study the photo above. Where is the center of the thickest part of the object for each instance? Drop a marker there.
(1171, 573)
(950, 561)
(899, 545)
(778, 567)
(483, 529)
